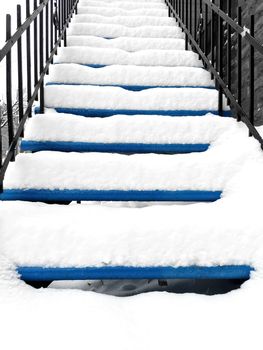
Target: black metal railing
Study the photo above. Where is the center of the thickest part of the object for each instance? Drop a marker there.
(40, 35)
(212, 30)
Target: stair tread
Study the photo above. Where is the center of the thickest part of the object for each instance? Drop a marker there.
(130, 76)
(128, 5)
(100, 56)
(126, 43)
(99, 235)
(129, 21)
(117, 11)
(139, 172)
(116, 30)
(154, 101)
(123, 129)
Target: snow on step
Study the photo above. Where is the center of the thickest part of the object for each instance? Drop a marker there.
(101, 57)
(125, 20)
(94, 235)
(115, 11)
(127, 43)
(106, 101)
(130, 76)
(127, 5)
(114, 172)
(116, 30)
(121, 129)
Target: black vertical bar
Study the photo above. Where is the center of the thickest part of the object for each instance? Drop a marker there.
(19, 68)
(252, 73)
(195, 20)
(51, 27)
(35, 49)
(60, 19)
(57, 21)
(9, 86)
(47, 32)
(220, 60)
(186, 23)
(239, 61)
(28, 56)
(229, 47)
(41, 58)
(191, 16)
(212, 39)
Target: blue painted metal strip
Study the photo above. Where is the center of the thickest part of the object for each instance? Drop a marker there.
(108, 195)
(110, 112)
(135, 87)
(126, 148)
(128, 272)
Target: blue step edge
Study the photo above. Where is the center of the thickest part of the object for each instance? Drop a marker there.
(96, 65)
(108, 195)
(129, 272)
(125, 148)
(102, 113)
(134, 87)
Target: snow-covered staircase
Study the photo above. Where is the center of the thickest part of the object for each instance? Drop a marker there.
(130, 116)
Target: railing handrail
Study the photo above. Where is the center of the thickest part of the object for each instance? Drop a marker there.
(17, 35)
(5, 52)
(240, 112)
(240, 30)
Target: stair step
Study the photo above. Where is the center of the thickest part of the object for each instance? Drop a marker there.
(101, 176)
(123, 148)
(115, 30)
(129, 5)
(122, 134)
(126, 43)
(116, 11)
(133, 78)
(101, 57)
(131, 21)
(30, 273)
(173, 102)
(77, 241)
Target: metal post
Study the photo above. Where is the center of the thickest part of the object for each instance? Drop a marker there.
(20, 69)
(9, 85)
(252, 73)
(220, 61)
(229, 47)
(239, 61)
(41, 58)
(28, 56)
(35, 49)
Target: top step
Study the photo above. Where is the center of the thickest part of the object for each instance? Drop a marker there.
(127, 21)
(116, 11)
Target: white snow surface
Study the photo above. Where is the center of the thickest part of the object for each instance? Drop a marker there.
(98, 171)
(105, 30)
(162, 99)
(150, 320)
(133, 21)
(127, 43)
(130, 75)
(92, 55)
(127, 5)
(117, 11)
(124, 129)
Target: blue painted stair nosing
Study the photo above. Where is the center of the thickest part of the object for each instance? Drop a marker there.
(129, 272)
(125, 148)
(102, 113)
(109, 195)
(134, 87)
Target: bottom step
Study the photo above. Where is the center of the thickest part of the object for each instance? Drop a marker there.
(128, 272)
(108, 195)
